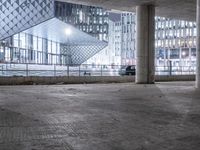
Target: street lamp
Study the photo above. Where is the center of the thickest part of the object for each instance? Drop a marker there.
(68, 31)
(183, 54)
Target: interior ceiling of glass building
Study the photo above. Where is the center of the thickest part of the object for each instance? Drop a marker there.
(61, 32)
(79, 45)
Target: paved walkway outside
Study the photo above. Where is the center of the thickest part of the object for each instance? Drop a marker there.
(165, 116)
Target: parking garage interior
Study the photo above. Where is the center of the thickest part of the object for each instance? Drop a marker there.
(127, 113)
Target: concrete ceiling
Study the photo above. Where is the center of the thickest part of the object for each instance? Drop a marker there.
(178, 9)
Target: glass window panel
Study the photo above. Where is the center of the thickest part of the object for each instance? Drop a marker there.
(35, 43)
(174, 53)
(22, 40)
(40, 44)
(16, 40)
(49, 46)
(53, 47)
(185, 53)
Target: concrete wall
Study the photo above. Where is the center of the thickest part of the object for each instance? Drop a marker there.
(84, 79)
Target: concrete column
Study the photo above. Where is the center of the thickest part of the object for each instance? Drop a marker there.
(30, 47)
(145, 44)
(45, 51)
(198, 47)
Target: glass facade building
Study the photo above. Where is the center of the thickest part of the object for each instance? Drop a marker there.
(128, 39)
(19, 15)
(40, 36)
(26, 48)
(111, 55)
(89, 19)
(35, 32)
(175, 42)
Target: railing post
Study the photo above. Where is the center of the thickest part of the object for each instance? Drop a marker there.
(189, 69)
(121, 70)
(7, 71)
(2, 70)
(68, 70)
(181, 70)
(79, 70)
(54, 70)
(26, 69)
(101, 70)
(170, 68)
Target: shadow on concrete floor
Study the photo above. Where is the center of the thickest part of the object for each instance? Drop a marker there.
(164, 116)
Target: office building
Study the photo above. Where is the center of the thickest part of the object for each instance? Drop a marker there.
(43, 32)
(89, 19)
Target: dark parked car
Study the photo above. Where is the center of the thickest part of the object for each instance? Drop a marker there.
(127, 70)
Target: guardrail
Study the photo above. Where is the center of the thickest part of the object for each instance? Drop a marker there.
(175, 70)
(28, 69)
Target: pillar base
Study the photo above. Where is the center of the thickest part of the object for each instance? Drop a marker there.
(145, 83)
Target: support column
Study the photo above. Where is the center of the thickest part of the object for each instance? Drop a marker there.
(198, 47)
(145, 44)
(45, 51)
(30, 47)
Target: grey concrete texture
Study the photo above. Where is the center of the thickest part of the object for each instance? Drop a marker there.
(87, 79)
(64, 80)
(177, 9)
(164, 116)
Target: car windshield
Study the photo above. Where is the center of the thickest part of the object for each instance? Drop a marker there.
(123, 67)
(129, 67)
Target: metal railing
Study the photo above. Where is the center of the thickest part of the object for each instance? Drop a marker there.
(175, 70)
(12, 69)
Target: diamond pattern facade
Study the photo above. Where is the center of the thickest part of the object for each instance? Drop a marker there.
(77, 54)
(18, 15)
(75, 48)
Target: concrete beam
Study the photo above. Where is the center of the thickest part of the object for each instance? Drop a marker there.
(145, 47)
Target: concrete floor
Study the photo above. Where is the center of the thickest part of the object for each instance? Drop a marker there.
(165, 116)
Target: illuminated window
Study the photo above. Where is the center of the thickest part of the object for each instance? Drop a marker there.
(16, 40)
(81, 16)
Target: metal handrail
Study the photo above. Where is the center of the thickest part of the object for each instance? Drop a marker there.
(33, 69)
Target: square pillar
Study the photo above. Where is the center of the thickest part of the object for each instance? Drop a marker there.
(145, 44)
(198, 46)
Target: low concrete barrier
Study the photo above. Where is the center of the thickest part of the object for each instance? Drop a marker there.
(175, 78)
(84, 79)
